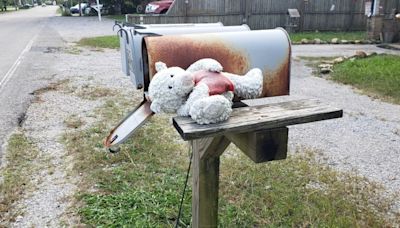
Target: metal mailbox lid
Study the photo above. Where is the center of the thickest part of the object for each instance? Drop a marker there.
(142, 28)
(191, 30)
(136, 53)
(178, 25)
(238, 52)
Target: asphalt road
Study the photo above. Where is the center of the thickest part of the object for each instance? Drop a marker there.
(20, 31)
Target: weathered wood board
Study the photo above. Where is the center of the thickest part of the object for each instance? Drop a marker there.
(262, 117)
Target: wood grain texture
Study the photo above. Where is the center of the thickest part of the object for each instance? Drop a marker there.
(212, 147)
(262, 146)
(263, 14)
(261, 117)
(205, 185)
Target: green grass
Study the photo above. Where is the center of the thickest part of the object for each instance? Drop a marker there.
(141, 185)
(19, 157)
(9, 9)
(94, 92)
(327, 36)
(378, 75)
(101, 42)
(120, 18)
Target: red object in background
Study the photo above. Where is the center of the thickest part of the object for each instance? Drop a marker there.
(158, 7)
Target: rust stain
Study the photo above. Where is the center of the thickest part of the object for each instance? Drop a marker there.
(276, 82)
(182, 51)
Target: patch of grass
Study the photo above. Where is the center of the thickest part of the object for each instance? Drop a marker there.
(298, 192)
(54, 86)
(120, 18)
(317, 59)
(74, 122)
(73, 51)
(101, 42)
(377, 75)
(9, 9)
(141, 186)
(92, 93)
(313, 62)
(327, 36)
(19, 156)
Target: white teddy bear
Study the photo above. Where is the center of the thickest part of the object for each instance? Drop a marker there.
(202, 91)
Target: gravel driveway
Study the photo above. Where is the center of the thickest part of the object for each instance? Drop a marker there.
(366, 139)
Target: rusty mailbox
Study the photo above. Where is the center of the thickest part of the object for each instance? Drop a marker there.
(237, 51)
(131, 39)
(127, 31)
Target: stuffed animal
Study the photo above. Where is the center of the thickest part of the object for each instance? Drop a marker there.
(202, 91)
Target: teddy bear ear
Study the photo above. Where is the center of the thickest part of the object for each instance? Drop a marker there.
(160, 66)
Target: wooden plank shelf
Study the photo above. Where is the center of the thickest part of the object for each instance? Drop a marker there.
(260, 117)
(259, 129)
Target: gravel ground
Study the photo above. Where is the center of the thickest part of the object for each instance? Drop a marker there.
(45, 125)
(366, 139)
(79, 69)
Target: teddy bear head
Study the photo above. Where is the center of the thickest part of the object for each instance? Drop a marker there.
(169, 88)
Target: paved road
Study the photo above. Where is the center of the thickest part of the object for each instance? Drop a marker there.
(19, 31)
(29, 42)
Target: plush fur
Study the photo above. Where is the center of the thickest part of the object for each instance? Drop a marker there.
(174, 90)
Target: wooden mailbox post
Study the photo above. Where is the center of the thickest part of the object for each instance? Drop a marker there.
(259, 131)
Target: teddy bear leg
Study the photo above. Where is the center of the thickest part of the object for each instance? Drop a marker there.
(248, 86)
(212, 109)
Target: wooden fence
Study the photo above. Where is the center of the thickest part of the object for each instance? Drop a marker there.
(322, 15)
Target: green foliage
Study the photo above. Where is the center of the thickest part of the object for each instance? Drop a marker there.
(101, 42)
(327, 36)
(141, 185)
(378, 75)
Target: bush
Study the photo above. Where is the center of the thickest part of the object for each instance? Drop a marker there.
(128, 7)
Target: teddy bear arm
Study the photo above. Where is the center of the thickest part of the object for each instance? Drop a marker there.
(206, 64)
(200, 91)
